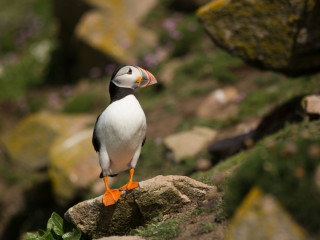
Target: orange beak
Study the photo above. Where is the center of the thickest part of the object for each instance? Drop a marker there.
(146, 79)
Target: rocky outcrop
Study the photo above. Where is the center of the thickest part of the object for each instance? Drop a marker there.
(279, 35)
(189, 143)
(74, 165)
(112, 27)
(159, 195)
(260, 217)
(29, 142)
(95, 33)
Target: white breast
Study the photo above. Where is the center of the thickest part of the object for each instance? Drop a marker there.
(121, 129)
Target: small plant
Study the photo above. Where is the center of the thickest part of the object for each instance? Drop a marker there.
(206, 228)
(159, 231)
(198, 211)
(57, 229)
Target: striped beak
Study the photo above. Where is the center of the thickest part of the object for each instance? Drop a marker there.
(147, 78)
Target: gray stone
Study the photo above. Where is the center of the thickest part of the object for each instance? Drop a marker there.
(161, 194)
(279, 35)
(189, 143)
(311, 104)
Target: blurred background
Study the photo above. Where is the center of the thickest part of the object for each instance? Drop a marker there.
(231, 76)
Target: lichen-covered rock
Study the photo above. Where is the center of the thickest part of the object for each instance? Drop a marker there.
(279, 35)
(74, 165)
(261, 217)
(189, 143)
(29, 142)
(113, 28)
(161, 194)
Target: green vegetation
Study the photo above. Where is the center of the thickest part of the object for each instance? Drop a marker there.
(283, 165)
(85, 102)
(25, 40)
(57, 229)
(206, 228)
(159, 230)
(258, 101)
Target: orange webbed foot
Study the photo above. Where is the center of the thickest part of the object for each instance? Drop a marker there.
(129, 186)
(111, 197)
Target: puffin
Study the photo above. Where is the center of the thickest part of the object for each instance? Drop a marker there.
(120, 130)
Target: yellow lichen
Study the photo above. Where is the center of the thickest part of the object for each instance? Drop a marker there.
(261, 216)
(210, 6)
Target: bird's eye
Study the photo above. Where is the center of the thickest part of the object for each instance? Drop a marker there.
(129, 71)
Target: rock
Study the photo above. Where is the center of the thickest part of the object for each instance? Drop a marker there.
(29, 142)
(161, 194)
(220, 104)
(113, 28)
(311, 104)
(94, 33)
(74, 165)
(278, 35)
(189, 143)
(261, 217)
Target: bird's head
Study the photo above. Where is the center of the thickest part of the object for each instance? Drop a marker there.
(132, 77)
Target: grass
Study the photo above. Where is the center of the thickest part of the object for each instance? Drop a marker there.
(257, 101)
(283, 165)
(207, 227)
(159, 231)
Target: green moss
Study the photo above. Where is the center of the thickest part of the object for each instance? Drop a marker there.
(284, 166)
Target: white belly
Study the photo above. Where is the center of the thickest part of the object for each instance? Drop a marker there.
(121, 129)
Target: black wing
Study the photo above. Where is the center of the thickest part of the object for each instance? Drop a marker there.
(95, 139)
(144, 140)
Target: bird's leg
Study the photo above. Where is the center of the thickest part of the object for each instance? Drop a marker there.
(130, 185)
(111, 196)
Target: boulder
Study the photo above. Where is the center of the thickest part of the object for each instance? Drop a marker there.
(112, 28)
(93, 34)
(189, 143)
(279, 35)
(159, 195)
(74, 165)
(260, 217)
(29, 142)
(220, 104)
